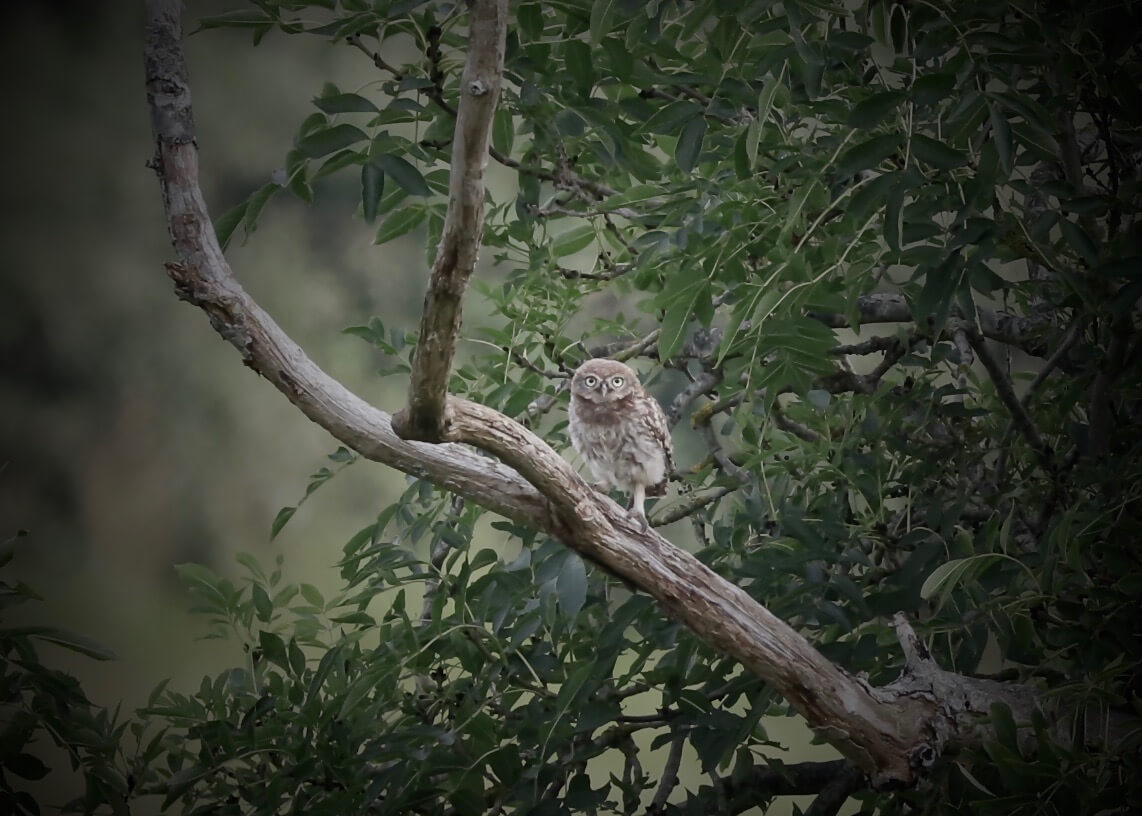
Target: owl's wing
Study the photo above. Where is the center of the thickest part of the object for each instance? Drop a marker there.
(658, 430)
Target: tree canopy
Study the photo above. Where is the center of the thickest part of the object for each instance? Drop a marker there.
(881, 263)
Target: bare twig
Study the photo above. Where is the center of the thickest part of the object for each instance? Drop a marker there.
(1052, 362)
(869, 346)
(764, 783)
(355, 41)
(1019, 415)
(692, 505)
(847, 781)
(790, 425)
(613, 271)
(669, 777)
(423, 419)
(704, 383)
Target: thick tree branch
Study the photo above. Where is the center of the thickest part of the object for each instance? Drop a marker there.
(463, 225)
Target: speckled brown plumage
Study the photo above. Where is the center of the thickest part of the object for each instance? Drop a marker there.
(620, 430)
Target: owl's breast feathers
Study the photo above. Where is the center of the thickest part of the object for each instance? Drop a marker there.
(625, 441)
(607, 414)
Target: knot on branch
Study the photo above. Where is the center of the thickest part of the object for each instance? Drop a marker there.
(477, 87)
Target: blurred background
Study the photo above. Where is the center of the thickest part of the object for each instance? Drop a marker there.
(131, 437)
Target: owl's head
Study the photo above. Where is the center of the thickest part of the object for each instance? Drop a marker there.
(602, 380)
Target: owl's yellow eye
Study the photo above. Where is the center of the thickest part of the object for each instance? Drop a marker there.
(616, 382)
(590, 381)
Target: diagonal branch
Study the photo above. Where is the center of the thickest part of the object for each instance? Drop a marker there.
(423, 419)
(1006, 392)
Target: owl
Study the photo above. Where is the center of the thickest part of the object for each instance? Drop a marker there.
(621, 431)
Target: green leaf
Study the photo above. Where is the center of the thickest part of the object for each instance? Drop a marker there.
(932, 87)
(867, 154)
(571, 584)
(503, 131)
(296, 658)
(894, 217)
(372, 187)
(573, 240)
(936, 153)
(483, 558)
(273, 648)
(580, 65)
(1080, 242)
(312, 595)
(690, 144)
(764, 109)
(328, 140)
(226, 223)
(399, 223)
(345, 103)
(403, 173)
(602, 11)
(283, 516)
(1001, 135)
(940, 286)
(870, 112)
(667, 120)
(26, 766)
(673, 331)
(1004, 724)
(255, 203)
(62, 638)
(262, 605)
(944, 579)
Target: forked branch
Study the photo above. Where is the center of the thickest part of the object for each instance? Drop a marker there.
(463, 224)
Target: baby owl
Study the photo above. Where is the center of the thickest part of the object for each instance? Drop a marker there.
(621, 431)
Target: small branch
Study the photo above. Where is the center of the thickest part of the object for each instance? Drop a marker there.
(703, 384)
(828, 802)
(669, 777)
(523, 362)
(1052, 362)
(423, 419)
(613, 271)
(559, 209)
(1006, 392)
(623, 350)
(917, 658)
(765, 783)
(690, 506)
(790, 425)
(869, 346)
(355, 41)
(1029, 334)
